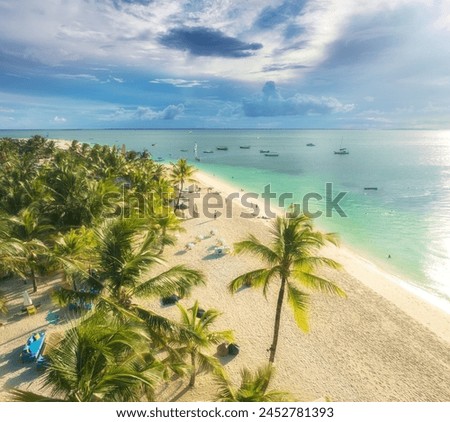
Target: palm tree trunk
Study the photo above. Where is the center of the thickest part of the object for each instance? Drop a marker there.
(194, 371)
(179, 194)
(34, 280)
(276, 328)
(163, 235)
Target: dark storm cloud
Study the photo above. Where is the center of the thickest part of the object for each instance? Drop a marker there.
(201, 41)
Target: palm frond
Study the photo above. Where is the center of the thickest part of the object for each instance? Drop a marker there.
(178, 279)
(256, 278)
(253, 246)
(28, 396)
(299, 303)
(315, 283)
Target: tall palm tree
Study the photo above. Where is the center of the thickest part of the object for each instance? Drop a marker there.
(253, 387)
(197, 346)
(101, 359)
(181, 173)
(29, 232)
(292, 262)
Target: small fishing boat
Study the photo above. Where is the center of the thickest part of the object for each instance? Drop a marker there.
(272, 154)
(159, 159)
(222, 148)
(264, 151)
(153, 145)
(33, 347)
(310, 145)
(208, 151)
(184, 150)
(244, 147)
(342, 151)
(371, 188)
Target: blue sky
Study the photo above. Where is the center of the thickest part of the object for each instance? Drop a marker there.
(224, 63)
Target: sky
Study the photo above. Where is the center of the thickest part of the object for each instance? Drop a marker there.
(359, 64)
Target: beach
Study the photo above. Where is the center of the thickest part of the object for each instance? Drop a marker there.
(381, 343)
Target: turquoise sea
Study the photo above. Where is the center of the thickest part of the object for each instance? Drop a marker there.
(407, 217)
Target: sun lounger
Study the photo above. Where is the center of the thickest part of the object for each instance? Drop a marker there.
(33, 347)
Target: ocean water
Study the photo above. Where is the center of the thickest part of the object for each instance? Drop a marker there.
(407, 217)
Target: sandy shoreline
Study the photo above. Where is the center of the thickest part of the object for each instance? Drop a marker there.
(387, 285)
(380, 344)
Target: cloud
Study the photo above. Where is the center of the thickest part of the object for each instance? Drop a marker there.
(181, 83)
(272, 103)
(58, 119)
(202, 41)
(284, 66)
(81, 76)
(171, 112)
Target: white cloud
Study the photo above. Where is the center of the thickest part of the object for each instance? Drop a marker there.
(145, 113)
(182, 83)
(58, 119)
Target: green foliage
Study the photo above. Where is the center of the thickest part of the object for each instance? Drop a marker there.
(200, 338)
(253, 387)
(100, 359)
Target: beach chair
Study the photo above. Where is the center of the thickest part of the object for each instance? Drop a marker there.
(31, 310)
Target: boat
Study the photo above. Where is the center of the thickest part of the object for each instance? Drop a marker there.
(244, 147)
(371, 188)
(272, 154)
(310, 145)
(222, 148)
(264, 151)
(208, 151)
(183, 150)
(159, 159)
(195, 153)
(153, 145)
(33, 347)
(342, 151)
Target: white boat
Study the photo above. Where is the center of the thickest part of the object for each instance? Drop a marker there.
(208, 151)
(271, 154)
(195, 153)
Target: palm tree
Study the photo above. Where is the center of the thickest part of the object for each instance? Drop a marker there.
(253, 387)
(292, 262)
(181, 173)
(29, 232)
(126, 253)
(163, 222)
(101, 359)
(197, 346)
(123, 254)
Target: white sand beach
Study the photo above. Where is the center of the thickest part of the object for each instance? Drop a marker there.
(381, 343)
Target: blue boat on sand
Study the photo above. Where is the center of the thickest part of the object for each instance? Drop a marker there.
(33, 347)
